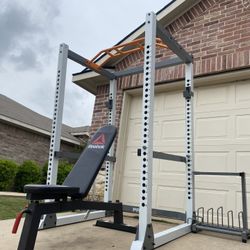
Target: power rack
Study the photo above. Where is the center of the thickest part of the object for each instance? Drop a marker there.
(155, 35)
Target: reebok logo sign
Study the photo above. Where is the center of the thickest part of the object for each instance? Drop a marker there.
(98, 143)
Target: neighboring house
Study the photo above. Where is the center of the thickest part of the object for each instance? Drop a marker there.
(81, 133)
(25, 134)
(217, 34)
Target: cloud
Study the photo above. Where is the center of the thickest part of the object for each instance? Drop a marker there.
(24, 30)
(25, 60)
(31, 32)
(78, 106)
(15, 25)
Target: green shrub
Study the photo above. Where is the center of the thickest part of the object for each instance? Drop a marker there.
(44, 173)
(64, 168)
(28, 172)
(8, 170)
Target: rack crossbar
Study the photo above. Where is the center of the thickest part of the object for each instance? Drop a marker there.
(217, 173)
(169, 157)
(173, 233)
(157, 212)
(75, 218)
(165, 156)
(173, 44)
(136, 70)
(85, 62)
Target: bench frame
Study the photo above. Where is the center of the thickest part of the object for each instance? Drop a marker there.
(37, 209)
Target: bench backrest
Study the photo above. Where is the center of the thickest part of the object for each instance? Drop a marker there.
(90, 161)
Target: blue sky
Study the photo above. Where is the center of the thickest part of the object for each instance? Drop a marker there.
(31, 32)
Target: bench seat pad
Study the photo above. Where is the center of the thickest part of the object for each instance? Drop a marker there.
(37, 191)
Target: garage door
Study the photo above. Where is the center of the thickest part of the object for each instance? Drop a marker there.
(222, 143)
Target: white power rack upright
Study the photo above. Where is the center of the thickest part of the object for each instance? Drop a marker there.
(145, 238)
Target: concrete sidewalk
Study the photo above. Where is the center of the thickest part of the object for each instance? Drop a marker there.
(86, 236)
(15, 194)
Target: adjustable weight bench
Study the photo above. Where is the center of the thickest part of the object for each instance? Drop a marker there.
(69, 196)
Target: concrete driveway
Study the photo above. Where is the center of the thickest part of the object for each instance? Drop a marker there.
(84, 235)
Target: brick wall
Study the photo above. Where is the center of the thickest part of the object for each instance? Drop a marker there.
(215, 32)
(19, 145)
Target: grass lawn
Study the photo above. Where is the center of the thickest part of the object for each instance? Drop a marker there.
(10, 206)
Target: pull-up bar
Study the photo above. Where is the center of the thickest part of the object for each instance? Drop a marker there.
(123, 49)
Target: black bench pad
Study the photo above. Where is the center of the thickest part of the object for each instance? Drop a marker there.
(80, 179)
(40, 192)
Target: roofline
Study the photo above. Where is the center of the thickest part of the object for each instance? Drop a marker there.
(79, 133)
(87, 78)
(33, 128)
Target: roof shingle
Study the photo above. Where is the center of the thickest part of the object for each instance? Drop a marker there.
(18, 112)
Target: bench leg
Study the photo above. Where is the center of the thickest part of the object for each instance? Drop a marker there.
(118, 217)
(30, 228)
(118, 223)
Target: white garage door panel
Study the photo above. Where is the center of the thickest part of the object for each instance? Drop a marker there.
(213, 127)
(132, 187)
(171, 167)
(207, 97)
(243, 126)
(222, 143)
(243, 162)
(132, 162)
(212, 161)
(242, 93)
(173, 130)
(212, 198)
(166, 198)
